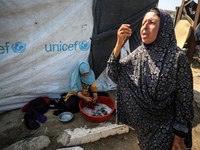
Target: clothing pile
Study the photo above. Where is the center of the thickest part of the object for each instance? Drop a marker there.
(58, 104)
(34, 111)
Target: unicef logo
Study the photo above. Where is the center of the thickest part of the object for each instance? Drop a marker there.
(84, 46)
(18, 47)
(65, 47)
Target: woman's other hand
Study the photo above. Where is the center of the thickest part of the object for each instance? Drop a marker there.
(178, 143)
(95, 97)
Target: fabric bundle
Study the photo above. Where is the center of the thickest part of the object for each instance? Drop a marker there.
(34, 110)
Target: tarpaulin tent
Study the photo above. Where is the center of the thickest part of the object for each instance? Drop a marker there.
(41, 43)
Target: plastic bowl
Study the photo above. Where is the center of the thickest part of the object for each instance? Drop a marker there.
(65, 116)
(103, 100)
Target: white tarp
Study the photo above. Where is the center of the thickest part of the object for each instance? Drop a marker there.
(41, 43)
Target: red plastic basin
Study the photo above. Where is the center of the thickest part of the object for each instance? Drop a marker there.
(103, 100)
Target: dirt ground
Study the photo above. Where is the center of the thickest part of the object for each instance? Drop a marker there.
(13, 129)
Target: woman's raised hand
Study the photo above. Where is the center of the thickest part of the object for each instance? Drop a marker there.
(123, 32)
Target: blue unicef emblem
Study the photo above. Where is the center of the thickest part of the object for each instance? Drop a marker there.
(18, 47)
(84, 46)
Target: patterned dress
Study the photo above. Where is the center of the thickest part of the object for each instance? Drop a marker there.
(155, 91)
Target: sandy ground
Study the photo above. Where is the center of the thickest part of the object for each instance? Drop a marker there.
(12, 128)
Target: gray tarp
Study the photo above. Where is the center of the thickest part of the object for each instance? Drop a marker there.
(108, 16)
(41, 43)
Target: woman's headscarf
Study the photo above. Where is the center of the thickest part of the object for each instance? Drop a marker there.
(162, 20)
(160, 60)
(77, 77)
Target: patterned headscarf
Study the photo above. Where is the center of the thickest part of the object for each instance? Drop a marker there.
(77, 77)
(161, 75)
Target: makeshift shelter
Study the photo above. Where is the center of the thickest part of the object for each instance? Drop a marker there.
(41, 42)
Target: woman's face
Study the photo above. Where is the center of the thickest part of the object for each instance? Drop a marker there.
(150, 27)
(85, 74)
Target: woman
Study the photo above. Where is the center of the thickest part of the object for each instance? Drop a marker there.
(83, 86)
(154, 85)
